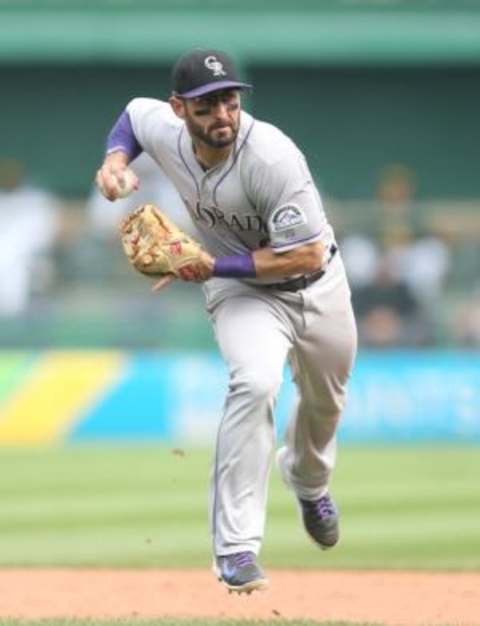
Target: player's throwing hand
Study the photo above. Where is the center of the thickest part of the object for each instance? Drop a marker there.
(114, 179)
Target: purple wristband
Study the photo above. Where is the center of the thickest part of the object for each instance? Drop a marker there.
(235, 266)
(122, 137)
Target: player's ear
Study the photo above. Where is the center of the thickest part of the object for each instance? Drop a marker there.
(178, 106)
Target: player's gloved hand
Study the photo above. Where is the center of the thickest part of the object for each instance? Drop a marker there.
(156, 246)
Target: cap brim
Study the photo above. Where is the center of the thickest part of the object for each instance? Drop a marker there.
(216, 86)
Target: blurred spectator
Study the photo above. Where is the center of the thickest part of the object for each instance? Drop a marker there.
(466, 322)
(387, 312)
(28, 225)
(398, 274)
(395, 194)
(417, 258)
(423, 265)
(360, 256)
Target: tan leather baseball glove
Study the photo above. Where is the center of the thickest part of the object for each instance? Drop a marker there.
(155, 245)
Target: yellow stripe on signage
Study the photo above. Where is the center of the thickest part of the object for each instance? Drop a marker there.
(61, 386)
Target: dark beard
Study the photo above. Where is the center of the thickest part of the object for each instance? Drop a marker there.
(198, 132)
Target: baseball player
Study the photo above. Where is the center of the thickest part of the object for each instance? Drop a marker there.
(275, 289)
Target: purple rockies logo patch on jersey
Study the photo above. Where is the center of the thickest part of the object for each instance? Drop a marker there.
(286, 217)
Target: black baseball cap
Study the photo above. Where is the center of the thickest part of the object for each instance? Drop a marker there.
(199, 72)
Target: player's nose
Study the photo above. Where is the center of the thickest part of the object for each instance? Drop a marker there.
(220, 111)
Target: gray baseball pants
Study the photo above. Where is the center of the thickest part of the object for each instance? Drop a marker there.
(257, 330)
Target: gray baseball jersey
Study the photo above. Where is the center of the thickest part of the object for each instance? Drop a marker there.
(263, 194)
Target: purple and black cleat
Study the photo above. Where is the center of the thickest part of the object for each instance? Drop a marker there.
(239, 572)
(320, 516)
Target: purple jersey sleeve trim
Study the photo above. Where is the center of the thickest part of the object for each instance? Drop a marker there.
(284, 247)
(122, 137)
(235, 266)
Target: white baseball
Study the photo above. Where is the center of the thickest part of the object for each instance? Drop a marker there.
(126, 183)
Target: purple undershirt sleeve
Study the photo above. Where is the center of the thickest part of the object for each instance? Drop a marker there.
(235, 266)
(122, 137)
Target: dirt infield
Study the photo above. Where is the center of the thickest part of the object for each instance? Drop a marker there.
(393, 598)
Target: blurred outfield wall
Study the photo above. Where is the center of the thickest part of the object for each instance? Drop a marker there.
(81, 396)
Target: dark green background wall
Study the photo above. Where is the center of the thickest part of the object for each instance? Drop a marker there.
(350, 121)
(56, 117)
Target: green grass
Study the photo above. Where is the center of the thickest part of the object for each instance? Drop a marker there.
(414, 508)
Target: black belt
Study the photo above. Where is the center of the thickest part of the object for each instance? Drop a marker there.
(302, 282)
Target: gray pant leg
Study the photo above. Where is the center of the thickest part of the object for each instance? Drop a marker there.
(321, 360)
(254, 342)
